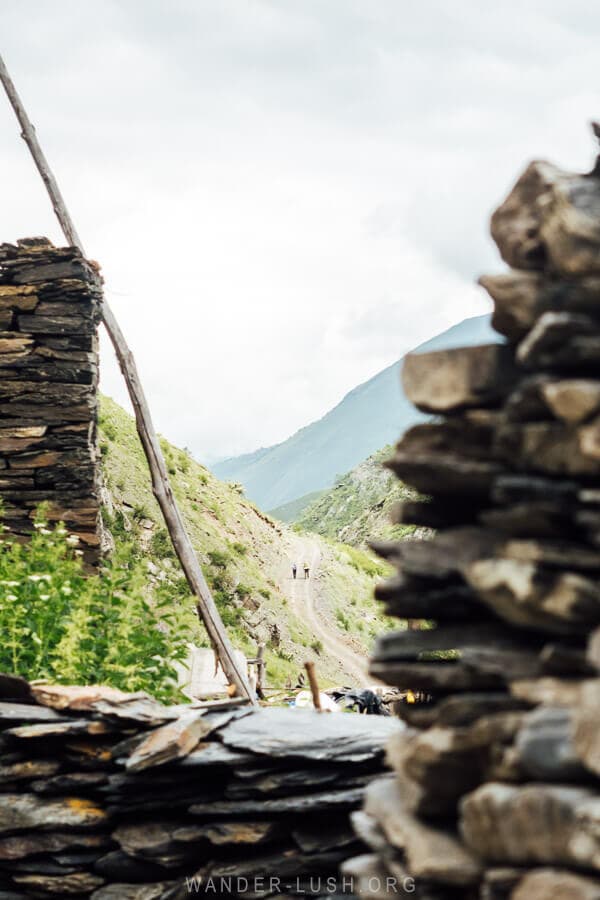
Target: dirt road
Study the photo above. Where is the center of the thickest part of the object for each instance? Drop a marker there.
(305, 600)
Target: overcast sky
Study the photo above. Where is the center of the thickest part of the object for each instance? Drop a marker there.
(286, 195)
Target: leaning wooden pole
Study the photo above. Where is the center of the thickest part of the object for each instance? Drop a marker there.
(205, 603)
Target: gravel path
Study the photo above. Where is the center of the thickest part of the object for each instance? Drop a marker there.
(305, 601)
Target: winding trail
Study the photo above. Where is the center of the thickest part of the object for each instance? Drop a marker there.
(304, 600)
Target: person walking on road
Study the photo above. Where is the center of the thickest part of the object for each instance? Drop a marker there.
(306, 570)
(294, 570)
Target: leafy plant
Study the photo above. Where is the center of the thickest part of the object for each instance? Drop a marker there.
(108, 427)
(140, 511)
(184, 461)
(343, 620)
(230, 614)
(59, 624)
(160, 543)
(218, 558)
(216, 511)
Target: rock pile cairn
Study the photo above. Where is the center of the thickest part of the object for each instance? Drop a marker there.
(495, 792)
(117, 797)
(49, 311)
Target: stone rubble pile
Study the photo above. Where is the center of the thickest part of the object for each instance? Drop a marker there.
(49, 311)
(496, 785)
(118, 797)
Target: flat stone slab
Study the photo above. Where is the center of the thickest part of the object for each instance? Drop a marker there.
(19, 812)
(294, 805)
(310, 735)
(25, 712)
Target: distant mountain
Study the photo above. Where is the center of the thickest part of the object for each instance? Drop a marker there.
(369, 417)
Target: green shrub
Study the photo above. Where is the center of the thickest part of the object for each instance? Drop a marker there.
(343, 620)
(216, 511)
(161, 543)
(118, 525)
(218, 558)
(58, 624)
(218, 581)
(238, 548)
(140, 511)
(108, 428)
(230, 613)
(179, 588)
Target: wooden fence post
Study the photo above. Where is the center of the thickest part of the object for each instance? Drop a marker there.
(261, 670)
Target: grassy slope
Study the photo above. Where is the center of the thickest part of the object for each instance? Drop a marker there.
(292, 511)
(348, 572)
(358, 506)
(243, 553)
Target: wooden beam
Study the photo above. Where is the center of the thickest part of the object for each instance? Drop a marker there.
(161, 487)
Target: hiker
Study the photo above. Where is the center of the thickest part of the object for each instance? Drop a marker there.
(306, 570)
(294, 569)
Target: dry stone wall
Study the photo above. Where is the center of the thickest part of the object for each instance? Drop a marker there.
(496, 785)
(117, 797)
(49, 312)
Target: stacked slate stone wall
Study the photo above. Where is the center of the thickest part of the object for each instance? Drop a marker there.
(496, 785)
(116, 797)
(49, 311)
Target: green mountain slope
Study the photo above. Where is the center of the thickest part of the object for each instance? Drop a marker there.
(291, 512)
(358, 507)
(369, 417)
(246, 557)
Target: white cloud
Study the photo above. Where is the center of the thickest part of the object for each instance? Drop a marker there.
(286, 196)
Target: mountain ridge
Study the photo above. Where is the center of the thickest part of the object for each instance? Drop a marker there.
(370, 416)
